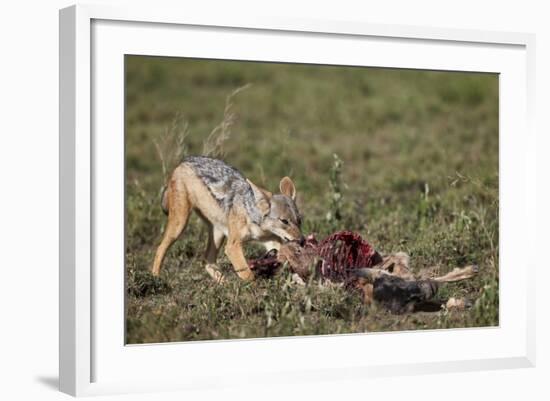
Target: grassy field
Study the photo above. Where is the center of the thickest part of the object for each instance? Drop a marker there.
(409, 159)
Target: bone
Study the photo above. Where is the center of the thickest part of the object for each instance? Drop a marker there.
(458, 274)
(456, 304)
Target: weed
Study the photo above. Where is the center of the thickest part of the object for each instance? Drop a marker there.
(336, 186)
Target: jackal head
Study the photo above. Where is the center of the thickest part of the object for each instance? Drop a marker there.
(281, 217)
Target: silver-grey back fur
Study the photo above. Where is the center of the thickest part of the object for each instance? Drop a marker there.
(226, 184)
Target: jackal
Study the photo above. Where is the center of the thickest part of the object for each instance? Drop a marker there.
(232, 207)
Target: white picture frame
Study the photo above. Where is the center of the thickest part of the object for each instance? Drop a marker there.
(94, 360)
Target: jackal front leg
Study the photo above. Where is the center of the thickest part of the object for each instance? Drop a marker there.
(234, 251)
(237, 231)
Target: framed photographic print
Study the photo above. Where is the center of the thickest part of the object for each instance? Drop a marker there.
(346, 196)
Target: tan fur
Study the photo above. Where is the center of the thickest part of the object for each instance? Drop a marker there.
(397, 264)
(458, 273)
(186, 192)
(368, 293)
(287, 188)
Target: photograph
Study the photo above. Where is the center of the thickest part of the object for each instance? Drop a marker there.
(270, 199)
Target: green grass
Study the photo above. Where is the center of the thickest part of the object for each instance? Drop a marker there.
(418, 173)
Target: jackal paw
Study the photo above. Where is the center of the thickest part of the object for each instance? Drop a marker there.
(215, 273)
(246, 275)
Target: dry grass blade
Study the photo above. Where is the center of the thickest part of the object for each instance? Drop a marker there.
(213, 145)
(170, 146)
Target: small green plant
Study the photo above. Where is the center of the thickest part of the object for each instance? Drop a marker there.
(336, 185)
(485, 309)
(424, 204)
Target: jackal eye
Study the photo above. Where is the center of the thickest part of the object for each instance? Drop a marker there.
(284, 221)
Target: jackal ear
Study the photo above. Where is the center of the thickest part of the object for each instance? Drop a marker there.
(262, 197)
(287, 188)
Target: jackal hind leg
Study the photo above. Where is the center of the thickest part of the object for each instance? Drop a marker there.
(215, 241)
(179, 210)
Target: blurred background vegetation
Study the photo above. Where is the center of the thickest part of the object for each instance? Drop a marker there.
(407, 158)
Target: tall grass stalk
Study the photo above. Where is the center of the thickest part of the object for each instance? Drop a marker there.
(214, 144)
